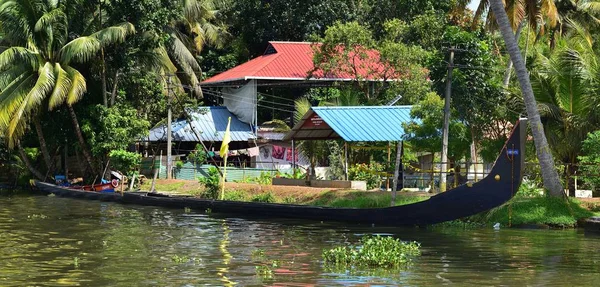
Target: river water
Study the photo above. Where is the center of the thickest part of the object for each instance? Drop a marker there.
(50, 241)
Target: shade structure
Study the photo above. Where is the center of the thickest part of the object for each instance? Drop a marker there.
(210, 122)
(352, 124)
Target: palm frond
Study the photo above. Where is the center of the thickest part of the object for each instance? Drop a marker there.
(43, 86)
(182, 55)
(79, 50)
(302, 107)
(61, 88)
(18, 56)
(55, 18)
(114, 34)
(78, 85)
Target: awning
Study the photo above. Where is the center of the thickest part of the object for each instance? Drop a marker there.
(353, 124)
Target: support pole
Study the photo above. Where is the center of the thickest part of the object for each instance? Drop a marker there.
(396, 172)
(169, 136)
(445, 129)
(387, 168)
(293, 157)
(346, 160)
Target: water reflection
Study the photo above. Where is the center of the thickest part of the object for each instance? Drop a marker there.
(62, 242)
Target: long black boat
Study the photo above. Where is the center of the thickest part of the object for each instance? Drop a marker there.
(496, 188)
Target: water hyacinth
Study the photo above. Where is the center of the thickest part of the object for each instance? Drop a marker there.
(376, 251)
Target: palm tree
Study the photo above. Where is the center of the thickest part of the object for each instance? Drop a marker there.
(199, 26)
(566, 85)
(37, 69)
(519, 13)
(311, 149)
(549, 173)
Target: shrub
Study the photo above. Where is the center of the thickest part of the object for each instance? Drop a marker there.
(376, 251)
(368, 173)
(212, 183)
(125, 161)
(235, 195)
(266, 197)
(197, 156)
(590, 162)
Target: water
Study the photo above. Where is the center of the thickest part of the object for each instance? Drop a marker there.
(49, 241)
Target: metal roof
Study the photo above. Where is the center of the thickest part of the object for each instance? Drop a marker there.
(211, 122)
(353, 124)
(293, 61)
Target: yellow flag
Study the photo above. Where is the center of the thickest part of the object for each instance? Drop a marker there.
(226, 139)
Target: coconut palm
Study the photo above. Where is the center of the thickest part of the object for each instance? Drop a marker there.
(549, 173)
(566, 85)
(199, 26)
(313, 150)
(37, 69)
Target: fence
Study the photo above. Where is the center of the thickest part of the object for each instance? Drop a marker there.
(191, 171)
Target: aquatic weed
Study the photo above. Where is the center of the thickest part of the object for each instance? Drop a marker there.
(180, 259)
(376, 251)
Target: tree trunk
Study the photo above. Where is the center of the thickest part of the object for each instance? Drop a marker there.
(28, 164)
(510, 63)
(86, 154)
(113, 95)
(549, 173)
(103, 80)
(43, 146)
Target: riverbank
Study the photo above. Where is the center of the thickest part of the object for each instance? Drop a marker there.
(521, 211)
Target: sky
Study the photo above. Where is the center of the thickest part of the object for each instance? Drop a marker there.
(473, 5)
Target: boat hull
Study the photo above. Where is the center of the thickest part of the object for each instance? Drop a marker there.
(497, 188)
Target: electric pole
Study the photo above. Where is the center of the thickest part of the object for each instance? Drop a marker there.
(446, 127)
(169, 159)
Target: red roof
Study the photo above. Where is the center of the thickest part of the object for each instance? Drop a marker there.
(294, 61)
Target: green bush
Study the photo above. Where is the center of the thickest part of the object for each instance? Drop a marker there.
(369, 173)
(197, 156)
(266, 197)
(376, 251)
(212, 183)
(125, 161)
(590, 161)
(235, 195)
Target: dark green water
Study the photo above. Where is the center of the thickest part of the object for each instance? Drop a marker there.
(48, 241)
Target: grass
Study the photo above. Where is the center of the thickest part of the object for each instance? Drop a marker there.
(361, 199)
(542, 210)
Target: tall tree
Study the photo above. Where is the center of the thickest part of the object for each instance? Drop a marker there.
(566, 85)
(549, 173)
(37, 70)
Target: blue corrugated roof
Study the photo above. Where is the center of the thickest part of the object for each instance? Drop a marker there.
(362, 123)
(211, 122)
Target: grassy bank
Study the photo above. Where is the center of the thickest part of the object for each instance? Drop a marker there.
(521, 210)
(542, 210)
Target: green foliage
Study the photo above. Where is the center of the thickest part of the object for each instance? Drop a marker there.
(424, 132)
(198, 155)
(125, 161)
(369, 173)
(296, 174)
(363, 200)
(235, 195)
(590, 161)
(376, 251)
(547, 210)
(346, 49)
(212, 183)
(266, 197)
(113, 128)
(529, 189)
